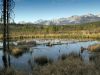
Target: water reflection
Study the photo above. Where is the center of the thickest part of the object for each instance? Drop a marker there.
(6, 60)
(23, 58)
(86, 56)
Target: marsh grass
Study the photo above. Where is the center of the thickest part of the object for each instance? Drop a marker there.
(64, 56)
(18, 51)
(71, 65)
(42, 60)
(8, 71)
(94, 48)
(96, 60)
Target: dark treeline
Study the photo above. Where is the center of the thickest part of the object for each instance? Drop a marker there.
(53, 28)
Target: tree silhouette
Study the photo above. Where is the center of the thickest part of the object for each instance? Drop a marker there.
(7, 6)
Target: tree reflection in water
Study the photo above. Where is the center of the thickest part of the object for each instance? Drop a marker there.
(6, 60)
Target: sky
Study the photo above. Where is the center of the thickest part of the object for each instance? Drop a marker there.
(33, 10)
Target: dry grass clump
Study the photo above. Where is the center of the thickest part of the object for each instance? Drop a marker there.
(96, 60)
(64, 56)
(70, 66)
(11, 71)
(16, 51)
(42, 60)
(8, 71)
(94, 48)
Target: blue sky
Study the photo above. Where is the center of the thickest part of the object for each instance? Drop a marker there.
(32, 10)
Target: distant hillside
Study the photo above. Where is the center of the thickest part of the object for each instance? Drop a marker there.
(70, 20)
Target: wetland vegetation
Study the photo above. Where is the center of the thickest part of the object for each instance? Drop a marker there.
(72, 65)
(53, 58)
(31, 31)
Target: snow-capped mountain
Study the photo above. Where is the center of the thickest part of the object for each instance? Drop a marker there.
(71, 20)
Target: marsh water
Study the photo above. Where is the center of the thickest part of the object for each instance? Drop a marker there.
(26, 60)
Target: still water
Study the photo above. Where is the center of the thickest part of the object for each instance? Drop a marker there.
(26, 60)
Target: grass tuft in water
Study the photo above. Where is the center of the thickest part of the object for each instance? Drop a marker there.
(42, 60)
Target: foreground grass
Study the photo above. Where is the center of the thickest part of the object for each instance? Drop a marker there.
(71, 65)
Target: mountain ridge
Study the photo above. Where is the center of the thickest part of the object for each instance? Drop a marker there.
(75, 19)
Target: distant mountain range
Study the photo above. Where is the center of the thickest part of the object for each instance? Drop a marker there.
(70, 20)
(64, 21)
